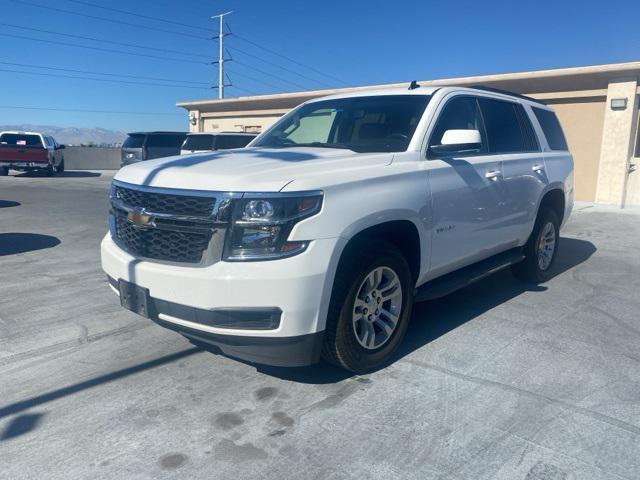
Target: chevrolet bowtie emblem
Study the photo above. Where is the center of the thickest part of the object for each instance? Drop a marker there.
(139, 217)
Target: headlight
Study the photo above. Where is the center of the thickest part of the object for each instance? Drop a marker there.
(261, 224)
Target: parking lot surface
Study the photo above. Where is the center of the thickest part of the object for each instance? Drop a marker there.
(498, 381)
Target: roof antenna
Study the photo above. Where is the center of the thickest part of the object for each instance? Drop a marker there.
(414, 85)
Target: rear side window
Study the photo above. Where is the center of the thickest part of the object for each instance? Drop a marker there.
(504, 125)
(224, 142)
(21, 140)
(165, 141)
(551, 128)
(134, 141)
(198, 142)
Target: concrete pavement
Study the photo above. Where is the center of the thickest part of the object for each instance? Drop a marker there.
(498, 381)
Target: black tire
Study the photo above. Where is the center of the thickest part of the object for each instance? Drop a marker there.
(530, 269)
(341, 346)
(50, 171)
(4, 171)
(61, 166)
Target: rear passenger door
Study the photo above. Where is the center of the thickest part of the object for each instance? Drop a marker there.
(511, 135)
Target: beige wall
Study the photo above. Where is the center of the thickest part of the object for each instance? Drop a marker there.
(237, 124)
(582, 122)
(617, 142)
(633, 184)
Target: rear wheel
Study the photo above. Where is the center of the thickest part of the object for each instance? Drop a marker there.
(370, 308)
(51, 170)
(541, 250)
(4, 171)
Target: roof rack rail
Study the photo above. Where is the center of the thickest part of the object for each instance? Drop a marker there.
(506, 92)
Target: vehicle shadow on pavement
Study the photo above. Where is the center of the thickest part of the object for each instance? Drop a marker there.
(435, 318)
(13, 243)
(20, 425)
(8, 203)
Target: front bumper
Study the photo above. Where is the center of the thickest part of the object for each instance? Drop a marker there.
(299, 287)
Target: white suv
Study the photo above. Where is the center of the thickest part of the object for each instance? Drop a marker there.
(316, 239)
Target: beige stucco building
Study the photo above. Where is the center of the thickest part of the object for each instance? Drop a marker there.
(597, 106)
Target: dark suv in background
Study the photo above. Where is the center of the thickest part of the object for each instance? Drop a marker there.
(141, 146)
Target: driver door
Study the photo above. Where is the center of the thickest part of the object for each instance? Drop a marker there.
(467, 190)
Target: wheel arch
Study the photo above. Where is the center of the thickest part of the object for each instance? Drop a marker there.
(555, 199)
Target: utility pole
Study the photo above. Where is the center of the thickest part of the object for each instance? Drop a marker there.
(220, 62)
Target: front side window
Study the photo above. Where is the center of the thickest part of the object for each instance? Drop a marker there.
(384, 123)
(460, 113)
(551, 128)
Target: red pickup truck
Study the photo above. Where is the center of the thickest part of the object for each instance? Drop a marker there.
(28, 151)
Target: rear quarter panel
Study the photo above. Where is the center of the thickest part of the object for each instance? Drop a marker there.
(559, 168)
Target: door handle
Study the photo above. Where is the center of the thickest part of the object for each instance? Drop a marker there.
(493, 174)
(537, 168)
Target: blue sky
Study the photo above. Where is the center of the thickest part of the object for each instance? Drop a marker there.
(352, 42)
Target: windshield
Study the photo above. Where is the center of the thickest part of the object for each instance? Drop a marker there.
(383, 123)
(198, 142)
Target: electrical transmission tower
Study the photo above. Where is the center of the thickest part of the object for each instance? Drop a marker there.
(221, 60)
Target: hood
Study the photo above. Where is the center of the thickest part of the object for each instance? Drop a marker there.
(248, 169)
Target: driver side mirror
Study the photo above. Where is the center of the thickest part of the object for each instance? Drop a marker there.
(455, 141)
(62, 147)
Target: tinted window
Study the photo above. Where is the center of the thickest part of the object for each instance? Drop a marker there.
(224, 142)
(198, 142)
(530, 138)
(20, 140)
(504, 134)
(134, 141)
(383, 123)
(551, 128)
(461, 113)
(165, 141)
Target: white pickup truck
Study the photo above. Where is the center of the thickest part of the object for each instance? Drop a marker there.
(316, 240)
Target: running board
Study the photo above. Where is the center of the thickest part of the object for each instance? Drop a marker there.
(453, 281)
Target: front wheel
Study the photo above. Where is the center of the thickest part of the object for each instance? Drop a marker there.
(370, 308)
(541, 250)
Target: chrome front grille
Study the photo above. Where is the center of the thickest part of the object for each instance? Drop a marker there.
(168, 225)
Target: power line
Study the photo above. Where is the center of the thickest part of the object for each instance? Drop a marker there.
(148, 17)
(236, 49)
(258, 80)
(277, 77)
(102, 73)
(110, 50)
(250, 92)
(273, 52)
(93, 39)
(53, 109)
(106, 19)
(125, 82)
